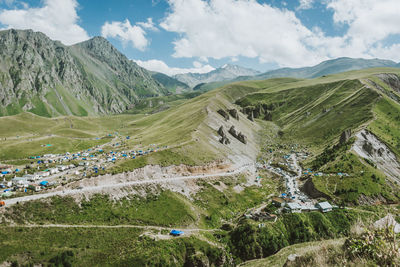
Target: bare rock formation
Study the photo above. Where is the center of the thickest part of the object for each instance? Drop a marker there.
(345, 136)
(239, 136)
(223, 114)
(233, 112)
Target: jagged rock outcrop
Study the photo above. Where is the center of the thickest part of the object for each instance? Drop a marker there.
(239, 136)
(234, 113)
(48, 78)
(242, 138)
(259, 111)
(268, 116)
(223, 114)
(345, 136)
(251, 116)
(221, 131)
(224, 139)
(232, 131)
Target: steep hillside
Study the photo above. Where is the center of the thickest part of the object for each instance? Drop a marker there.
(315, 113)
(49, 79)
(225, 73)
(171, 84)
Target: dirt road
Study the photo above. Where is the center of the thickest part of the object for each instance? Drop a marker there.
(13, 201)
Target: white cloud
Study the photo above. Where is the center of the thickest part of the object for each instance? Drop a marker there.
(305, 4)
(148, 25)
(161, 66)
(369, 20)
(57, 19)
(233, 28)
(127, 33)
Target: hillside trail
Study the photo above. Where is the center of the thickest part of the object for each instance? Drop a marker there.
(145, 227)
(89, 189)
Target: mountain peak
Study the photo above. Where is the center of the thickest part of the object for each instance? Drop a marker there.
(224, 73)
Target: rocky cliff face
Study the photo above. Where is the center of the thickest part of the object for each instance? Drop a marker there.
(50, 79)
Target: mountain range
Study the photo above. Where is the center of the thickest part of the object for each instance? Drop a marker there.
(48, 78)
(327, 67)
(225, 73)
(338, 65)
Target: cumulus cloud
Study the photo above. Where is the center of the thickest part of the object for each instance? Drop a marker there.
(161, 66)
(127, 33)
(57, 19)
(232, 28)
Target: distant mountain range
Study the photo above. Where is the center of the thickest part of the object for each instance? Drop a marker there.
(327, 67)
(324, 68)
(48, 78)
(224, 73)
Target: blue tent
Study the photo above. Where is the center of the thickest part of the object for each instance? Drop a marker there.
(176, 232)
(44, 183)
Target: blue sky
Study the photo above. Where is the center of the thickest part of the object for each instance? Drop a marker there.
(174, 36)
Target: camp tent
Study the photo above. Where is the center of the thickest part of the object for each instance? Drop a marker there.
(176, 233)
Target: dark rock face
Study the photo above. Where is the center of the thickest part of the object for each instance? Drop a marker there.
(345, 136)
(251, 116)
(239, 136)
(232, 131)
(242, 138)
(259, 111)
(234, 113)
(221, 131)
(224, 139)
(223, 114)
(268, 116)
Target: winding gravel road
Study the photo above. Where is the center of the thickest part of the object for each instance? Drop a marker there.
(13, 201)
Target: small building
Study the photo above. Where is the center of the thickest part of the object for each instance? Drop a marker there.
(31, 177)
(53, 170)
(19, 181)
(324, 206)
(34, 187)
(278, 202)
(293, 207)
